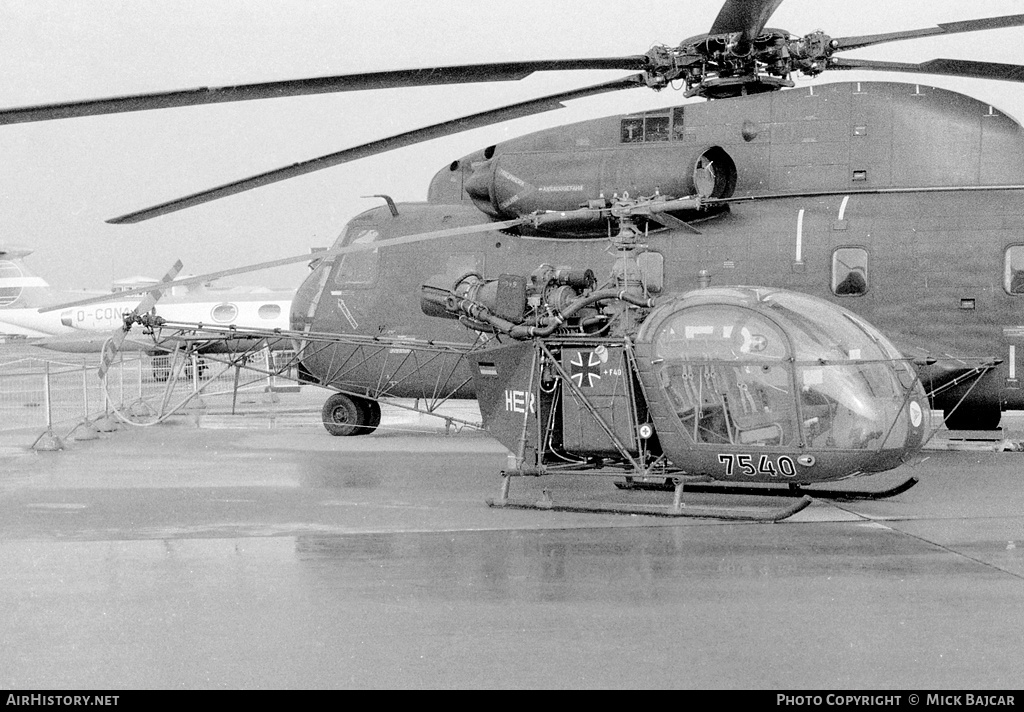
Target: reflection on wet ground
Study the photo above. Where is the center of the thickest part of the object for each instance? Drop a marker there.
(182, 558)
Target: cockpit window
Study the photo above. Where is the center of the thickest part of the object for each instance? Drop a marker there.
(646, 128)
(804, 372)
(720, 333)
(358, 269)
(633, 129)
(728, 375)
(656, 128)
(850, 271)
(1013, 270)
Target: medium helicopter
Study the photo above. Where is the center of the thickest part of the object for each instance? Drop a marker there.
(856, 192)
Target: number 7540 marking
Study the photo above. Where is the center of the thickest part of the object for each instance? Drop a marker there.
(770, 466)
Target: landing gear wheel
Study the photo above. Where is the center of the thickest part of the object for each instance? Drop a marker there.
(372, 410)
(343, 416)
(972, 418)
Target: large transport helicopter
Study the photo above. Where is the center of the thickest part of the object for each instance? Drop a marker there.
(898, 201)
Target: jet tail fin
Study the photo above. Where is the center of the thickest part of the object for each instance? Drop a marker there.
(19, 287)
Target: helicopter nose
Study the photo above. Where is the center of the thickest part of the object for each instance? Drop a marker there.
(306, 297)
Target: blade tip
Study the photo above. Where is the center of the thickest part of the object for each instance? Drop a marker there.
(122, 220)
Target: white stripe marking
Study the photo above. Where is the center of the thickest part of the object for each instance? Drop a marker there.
(842, 208)
(800, 236)
(23, 282)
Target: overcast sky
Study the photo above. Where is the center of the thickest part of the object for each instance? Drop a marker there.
(61, 179)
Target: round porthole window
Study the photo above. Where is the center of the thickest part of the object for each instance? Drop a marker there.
(269, 311)
(224, 313)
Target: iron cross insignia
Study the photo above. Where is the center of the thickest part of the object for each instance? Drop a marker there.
(591, 370)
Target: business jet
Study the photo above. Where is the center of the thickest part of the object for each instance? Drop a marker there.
(84, 329)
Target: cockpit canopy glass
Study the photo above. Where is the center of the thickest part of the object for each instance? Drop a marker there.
(787, 370)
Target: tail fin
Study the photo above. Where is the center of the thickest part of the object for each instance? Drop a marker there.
(19, 288)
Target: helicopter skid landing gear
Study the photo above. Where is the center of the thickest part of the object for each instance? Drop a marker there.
(791, 491)
(676, 509)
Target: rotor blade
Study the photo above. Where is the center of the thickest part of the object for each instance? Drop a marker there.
(113, 344)
(508, 71)
(865, 191)
(513, 111)
(674, 222)
(945, 67)
(945, 28)
(490, 227)
(154, 292)
(305, 257)
(746, 16)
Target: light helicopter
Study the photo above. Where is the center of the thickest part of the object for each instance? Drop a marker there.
(854, 192)
(731, 384)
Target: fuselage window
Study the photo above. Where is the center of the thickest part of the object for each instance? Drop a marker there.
(224, 313)
(1013, 270)
(358, 269)
(638, 129)
(656, 128)
(269, 311)
(633, 129)
(850, 271)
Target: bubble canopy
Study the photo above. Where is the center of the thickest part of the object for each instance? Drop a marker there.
(770, 368)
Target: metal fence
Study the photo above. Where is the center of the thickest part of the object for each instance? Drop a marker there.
(43, 393)
(59, 395)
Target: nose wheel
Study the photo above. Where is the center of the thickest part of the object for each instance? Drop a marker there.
(345, 415)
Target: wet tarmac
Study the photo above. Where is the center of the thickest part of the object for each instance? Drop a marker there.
(179, 556)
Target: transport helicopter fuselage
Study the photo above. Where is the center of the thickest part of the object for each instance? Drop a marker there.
(930, 258)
